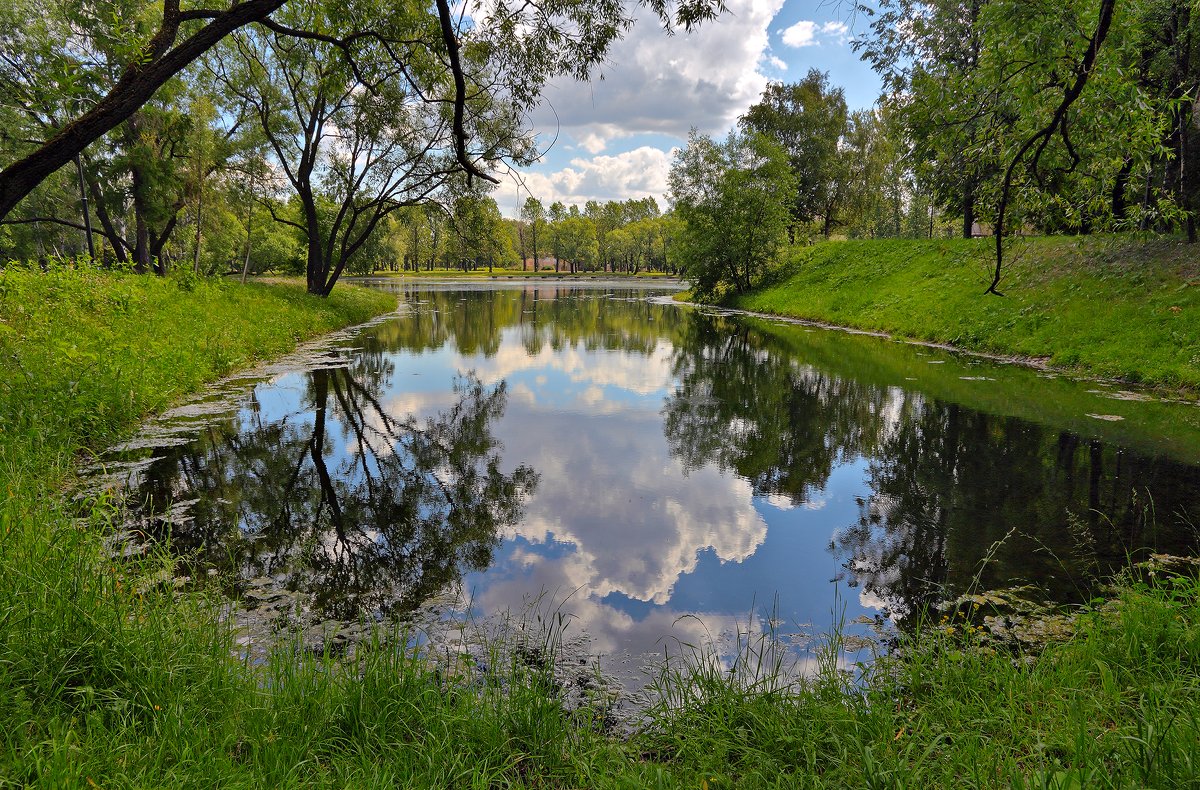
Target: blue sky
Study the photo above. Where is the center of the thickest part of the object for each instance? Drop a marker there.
(612, 138)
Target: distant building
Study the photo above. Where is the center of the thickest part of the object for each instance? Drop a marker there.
(543, 264)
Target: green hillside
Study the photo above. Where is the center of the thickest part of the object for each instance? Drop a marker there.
(1110, 306)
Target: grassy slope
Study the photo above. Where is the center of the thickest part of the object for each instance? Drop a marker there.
(108, 679)
(1110, 306)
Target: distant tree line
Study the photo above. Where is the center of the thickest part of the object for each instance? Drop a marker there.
(627, 236)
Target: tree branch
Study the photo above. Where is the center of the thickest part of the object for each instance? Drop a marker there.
(460, 95)
(160, 61)
(1041, 137)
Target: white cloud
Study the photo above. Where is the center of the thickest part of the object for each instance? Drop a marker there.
(593, 143)
(807, 33)
(654, 83)
(651, 84)
(642, 374)
(801, 34)
(837, 31)
(634, 174)
(633, 540)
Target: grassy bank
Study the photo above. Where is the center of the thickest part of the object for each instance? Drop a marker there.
(1116, 307)
(108, 678)
(86, 355)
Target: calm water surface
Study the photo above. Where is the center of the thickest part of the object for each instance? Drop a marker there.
(661, 473)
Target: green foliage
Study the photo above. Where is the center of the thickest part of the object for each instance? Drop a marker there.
(971, 83)
(806, 119)
(576, 241)
(480, 237)
(733, 199)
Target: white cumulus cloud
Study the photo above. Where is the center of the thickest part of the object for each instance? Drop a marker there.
(801, 34)
(634, 174)
(807, 33)
(653, 82)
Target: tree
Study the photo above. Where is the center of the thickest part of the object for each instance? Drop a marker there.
(479, 231)
(807, 119)
(928, 53)
(523, 44)
(733, 200)
(356, 140)
(555, 216)
(1039, 105)
(576, 240)
(1166, 51)
(534, 215)
(879, 186)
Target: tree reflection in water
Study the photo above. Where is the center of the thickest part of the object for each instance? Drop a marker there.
(946, 482)
(363, 510)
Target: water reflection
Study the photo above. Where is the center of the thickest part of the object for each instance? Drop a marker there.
(687, 464)
(363, 508)
(944, 485)
(949, 484)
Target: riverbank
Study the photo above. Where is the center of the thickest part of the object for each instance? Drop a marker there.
(1113, 307)
(110, 678)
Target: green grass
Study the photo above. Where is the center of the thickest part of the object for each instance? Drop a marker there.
(1120, 307)
(110, 678)
(1116, 706)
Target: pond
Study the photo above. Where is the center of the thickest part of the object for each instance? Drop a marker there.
(656, 473)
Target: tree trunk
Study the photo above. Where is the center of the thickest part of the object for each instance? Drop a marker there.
(200, 179)
(141, 239)
(199, 229)
(139, 81)
(83, 199)
(315, 264)
(249, 220)
(115, 239)
(157, 243)
(1120, 202)
(968, 210)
